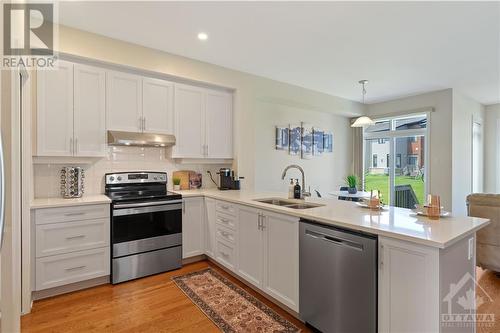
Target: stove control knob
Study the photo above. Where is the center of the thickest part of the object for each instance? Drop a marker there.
(111, 178)
(119, 178)
(155, 178)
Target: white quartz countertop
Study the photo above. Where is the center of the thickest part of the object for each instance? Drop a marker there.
(61, 202)
(399, 223)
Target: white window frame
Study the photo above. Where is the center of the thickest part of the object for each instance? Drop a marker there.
(392, 134)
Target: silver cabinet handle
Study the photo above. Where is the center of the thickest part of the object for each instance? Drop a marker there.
(75, 151)
(381, 256)
(140, 123)
(143, 123)
(75, 237)
(262, 225)
(183, 207)
(259, 222)
(71, 146)
(74, 214)
(75, 268)
(2, 193)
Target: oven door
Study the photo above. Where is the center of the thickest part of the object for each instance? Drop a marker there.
(145, 226)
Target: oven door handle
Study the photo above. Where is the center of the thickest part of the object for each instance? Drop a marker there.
(144, 210)
(143, 204)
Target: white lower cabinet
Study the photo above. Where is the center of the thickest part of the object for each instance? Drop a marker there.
(281, 259)
(193, 229)
(210, 227)
(58, 270)
(71, 244)
(250, 245)
(408, 287)
(268, 253)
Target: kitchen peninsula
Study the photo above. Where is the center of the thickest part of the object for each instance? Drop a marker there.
(259, 243)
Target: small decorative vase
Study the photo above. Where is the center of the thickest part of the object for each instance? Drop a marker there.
(177, 187)
(352, 190)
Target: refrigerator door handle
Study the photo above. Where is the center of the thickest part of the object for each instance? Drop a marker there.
(2, 193)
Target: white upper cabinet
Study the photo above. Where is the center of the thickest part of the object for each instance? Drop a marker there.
(219, 124)
(71, 111)
(189, 122)
(157, 106)
(203, 122)
(55, 111)
(123, 102)
(89, 111)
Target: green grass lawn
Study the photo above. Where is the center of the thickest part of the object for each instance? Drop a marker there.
(381, 182)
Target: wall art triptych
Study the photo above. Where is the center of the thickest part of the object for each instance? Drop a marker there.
(304, 139)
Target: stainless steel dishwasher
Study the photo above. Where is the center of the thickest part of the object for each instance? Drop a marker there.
(338, 279)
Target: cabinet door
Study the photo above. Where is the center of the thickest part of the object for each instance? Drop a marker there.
(192, 227)
(123, 102)
(189, 114)
(219, 124)
(281, 258)
(210, 219)
(250, 246)
(89, 111)
(157, 106)
(408, 291)
(55, 111)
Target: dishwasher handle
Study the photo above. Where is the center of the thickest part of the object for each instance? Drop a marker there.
(335, 240)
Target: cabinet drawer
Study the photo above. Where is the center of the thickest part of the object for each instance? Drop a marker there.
(59, 238)
(73, 213)
(225, 234)
(227, 221)
(225, 254)
(227, 208)
(73, 267)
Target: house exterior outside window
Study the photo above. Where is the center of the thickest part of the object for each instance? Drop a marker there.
(395, 159)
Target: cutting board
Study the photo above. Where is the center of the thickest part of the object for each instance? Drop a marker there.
(189, 179)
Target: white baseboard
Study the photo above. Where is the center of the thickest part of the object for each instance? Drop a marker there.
(37, 295)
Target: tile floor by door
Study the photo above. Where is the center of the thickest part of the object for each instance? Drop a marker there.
(151, 304)
(155, 304)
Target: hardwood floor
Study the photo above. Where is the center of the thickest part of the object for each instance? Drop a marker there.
(152, 304)
(489, 283)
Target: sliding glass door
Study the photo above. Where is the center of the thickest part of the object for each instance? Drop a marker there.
(395, 160)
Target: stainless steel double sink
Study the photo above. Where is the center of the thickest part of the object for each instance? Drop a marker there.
(289, 203)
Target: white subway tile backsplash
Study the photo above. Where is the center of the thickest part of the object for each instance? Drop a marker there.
(118, 159)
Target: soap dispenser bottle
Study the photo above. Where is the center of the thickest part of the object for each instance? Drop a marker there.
(291, 189)
(297, 193)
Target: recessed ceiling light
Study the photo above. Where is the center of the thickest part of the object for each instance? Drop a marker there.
(202, 36)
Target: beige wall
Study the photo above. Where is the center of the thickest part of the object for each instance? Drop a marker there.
(323, 173)
(249, 89)
(464, 111)
(440, 151)
(492, 149)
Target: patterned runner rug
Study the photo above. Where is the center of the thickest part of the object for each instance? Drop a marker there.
(231, 308)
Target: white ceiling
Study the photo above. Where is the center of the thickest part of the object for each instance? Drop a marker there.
(403, 48)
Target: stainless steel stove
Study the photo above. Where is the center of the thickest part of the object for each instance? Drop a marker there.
(146, 225)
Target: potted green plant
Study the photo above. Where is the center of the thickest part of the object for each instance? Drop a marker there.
(352, 184)
(177, 183)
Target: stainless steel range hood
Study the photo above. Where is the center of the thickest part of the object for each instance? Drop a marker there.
(119, 138)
